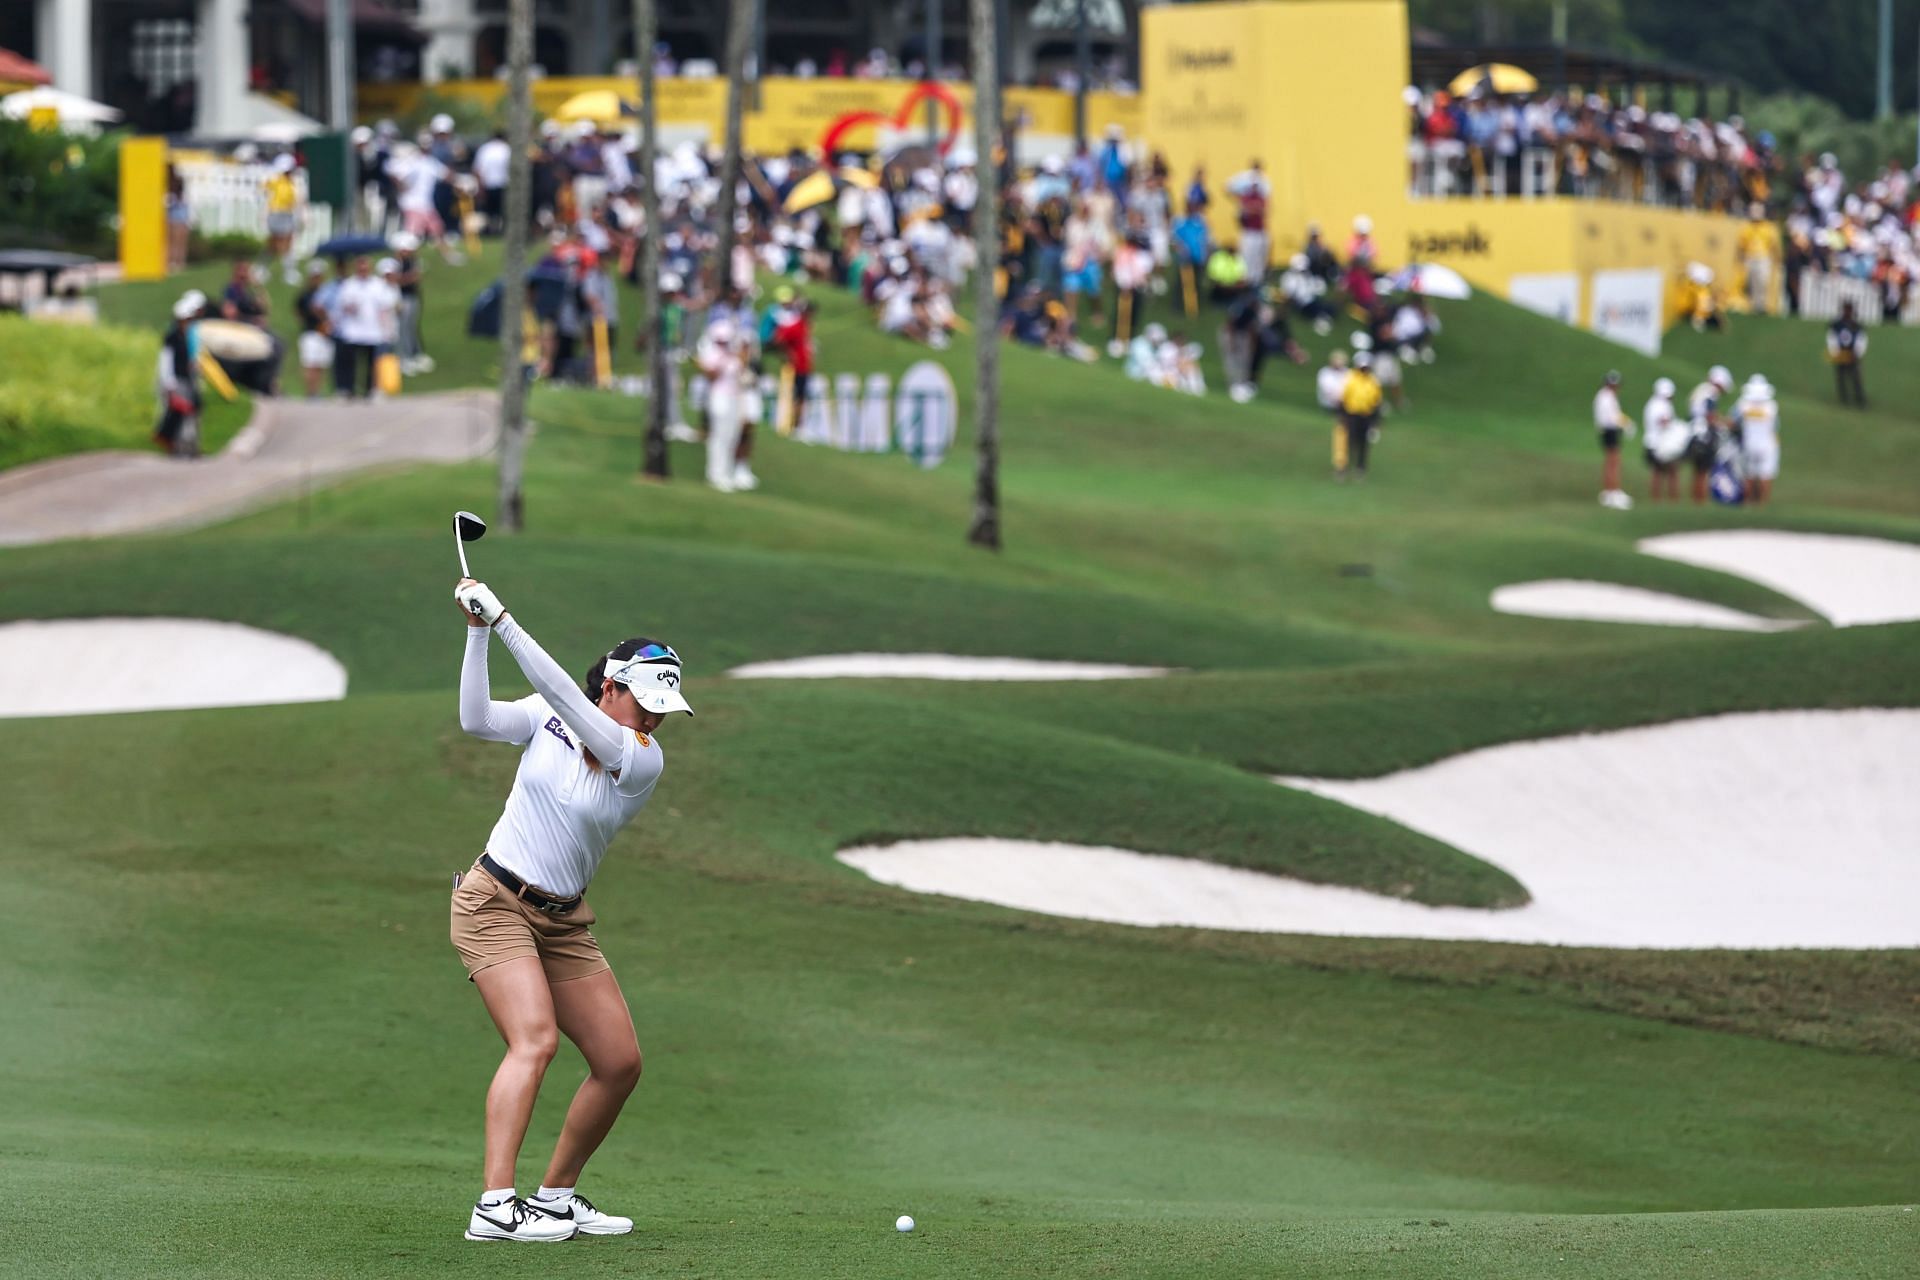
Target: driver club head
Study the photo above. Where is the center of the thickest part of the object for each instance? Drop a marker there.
(467, 527)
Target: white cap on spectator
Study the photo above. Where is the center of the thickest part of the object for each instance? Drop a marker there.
(405, 241)
(1720, 376)
(442, 123)
(1363, 225)
(1664, 388)
(1757, 388)
(386, 266)
(284, 162)
(1051, 164)
(190, 304)
(361, 135)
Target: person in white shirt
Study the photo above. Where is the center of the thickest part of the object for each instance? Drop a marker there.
(364, 312)
(1610, 423)
(416, 173)
(722, 359)
(519, 918)
(490, 164)
(1665, 439)
(1707, 426)
(1757, 417)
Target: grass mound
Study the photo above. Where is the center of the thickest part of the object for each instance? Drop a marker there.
(76, 388)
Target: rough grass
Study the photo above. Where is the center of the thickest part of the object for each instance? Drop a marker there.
(76, 388)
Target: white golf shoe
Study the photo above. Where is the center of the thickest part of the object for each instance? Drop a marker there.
(579, 1211)
(516, 1220)
(744, 480)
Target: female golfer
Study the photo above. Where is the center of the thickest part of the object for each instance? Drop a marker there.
(519, 918)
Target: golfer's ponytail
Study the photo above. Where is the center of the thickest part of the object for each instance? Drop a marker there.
(597, 673)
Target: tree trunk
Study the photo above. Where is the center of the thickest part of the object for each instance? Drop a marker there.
(985, 530)
(739, 42)
(653, 455)
(510, 514)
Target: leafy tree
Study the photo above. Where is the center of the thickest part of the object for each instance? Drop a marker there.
(58, 190)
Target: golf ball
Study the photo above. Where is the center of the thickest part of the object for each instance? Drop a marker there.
(903, 1223)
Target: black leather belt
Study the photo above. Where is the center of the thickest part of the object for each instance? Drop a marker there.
(527, 893)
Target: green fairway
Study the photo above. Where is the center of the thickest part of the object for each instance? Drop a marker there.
(233, 1026)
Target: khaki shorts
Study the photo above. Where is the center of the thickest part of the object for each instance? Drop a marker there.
(491, 925)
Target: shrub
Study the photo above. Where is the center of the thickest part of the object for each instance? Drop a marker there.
(223, 246)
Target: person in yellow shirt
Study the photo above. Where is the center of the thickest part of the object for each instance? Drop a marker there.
(1758, 243)
(1359, 413)
(283, 216)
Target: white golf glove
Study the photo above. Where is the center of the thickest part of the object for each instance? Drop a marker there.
(477, 598)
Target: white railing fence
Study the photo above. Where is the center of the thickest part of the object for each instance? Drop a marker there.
(226, 198)
(1822, 293)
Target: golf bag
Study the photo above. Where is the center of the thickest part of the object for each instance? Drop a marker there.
(1727, 480)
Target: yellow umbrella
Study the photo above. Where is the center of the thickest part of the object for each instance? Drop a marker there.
(600, 106)
(1498, 77)
(822, 185)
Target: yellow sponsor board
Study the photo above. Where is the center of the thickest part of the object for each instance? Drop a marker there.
(1310, 88)
(1492, 241)
(143, 209)
(792, 112)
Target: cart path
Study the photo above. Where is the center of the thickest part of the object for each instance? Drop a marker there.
(290, 447)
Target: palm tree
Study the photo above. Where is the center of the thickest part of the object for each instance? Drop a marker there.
(985, 530)
(653, 458)
(740, 14)
(510, 514)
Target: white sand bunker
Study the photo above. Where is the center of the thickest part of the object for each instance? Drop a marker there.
(1782, 829)
(1611, 602)
(94, 666)
(936, 666)
(1849, 581)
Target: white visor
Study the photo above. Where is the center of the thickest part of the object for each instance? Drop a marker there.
(653, 680)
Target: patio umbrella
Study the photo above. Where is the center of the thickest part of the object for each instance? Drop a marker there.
(598, 106)
(1432, 282)
(823, 185)
(21, 72)
(70, 107)
(350, 246)
(1493, 77)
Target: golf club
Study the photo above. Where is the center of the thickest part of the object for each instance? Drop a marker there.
(467, 527)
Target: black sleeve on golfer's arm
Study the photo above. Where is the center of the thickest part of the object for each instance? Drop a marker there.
(603, 735)
(480, 715)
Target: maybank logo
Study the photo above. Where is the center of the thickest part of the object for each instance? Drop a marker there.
(1179, 59)
(1622, 315)
(1424, 246)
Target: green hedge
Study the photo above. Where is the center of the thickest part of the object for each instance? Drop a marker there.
(75, 388)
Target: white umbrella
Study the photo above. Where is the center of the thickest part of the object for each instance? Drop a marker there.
(1431, 281)
(70, 107)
